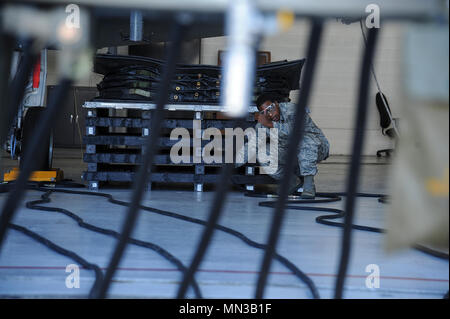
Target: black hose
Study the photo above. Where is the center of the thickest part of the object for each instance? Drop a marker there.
(338, 213)
(353, 176)
(283, 260)
(6, 51)
(62, 251)
(151, 148)
(51, 245)
(295, 139)
(223, 184)
(45, 198)
(31, 153)
(324, 198)
(329, 197)
(215, 212)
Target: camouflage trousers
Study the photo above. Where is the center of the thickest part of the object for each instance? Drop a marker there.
(314, 149)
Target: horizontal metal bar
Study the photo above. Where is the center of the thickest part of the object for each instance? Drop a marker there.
(174, 178)
(170, 123)
(135, 158)
(151, 106)
(130, 140)
(390, 9)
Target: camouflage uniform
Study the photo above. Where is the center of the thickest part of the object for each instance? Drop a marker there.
(314, 147)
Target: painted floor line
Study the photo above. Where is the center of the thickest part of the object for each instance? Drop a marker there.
(227, 271)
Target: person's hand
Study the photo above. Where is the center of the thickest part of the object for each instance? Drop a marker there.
(264, 120)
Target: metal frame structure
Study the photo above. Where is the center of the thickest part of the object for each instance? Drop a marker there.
(392, 9)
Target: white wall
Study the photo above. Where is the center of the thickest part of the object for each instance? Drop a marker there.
(336, 80)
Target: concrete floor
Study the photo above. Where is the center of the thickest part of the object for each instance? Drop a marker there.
(30, 270)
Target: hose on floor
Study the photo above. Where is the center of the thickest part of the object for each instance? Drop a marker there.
(45, 198)
(62, 251)
(337, 213)
(283, 260)
(292, 203)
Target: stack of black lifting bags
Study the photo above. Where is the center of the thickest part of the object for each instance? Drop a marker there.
(137, 79)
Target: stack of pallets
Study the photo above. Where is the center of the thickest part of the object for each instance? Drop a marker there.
(118, 120)
(117, 131)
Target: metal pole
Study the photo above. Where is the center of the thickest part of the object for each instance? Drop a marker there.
(136, 26)
(151, 148)
(353, 176)
(294, 141)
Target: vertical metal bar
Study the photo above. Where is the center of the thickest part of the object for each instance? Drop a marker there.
(136, 26)
(151, 148)
(215, 212)
(353, 176)
(6, 53)
(294, 141)
(227, 169)
(31, 153)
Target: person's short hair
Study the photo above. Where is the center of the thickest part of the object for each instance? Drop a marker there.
(267, 97)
